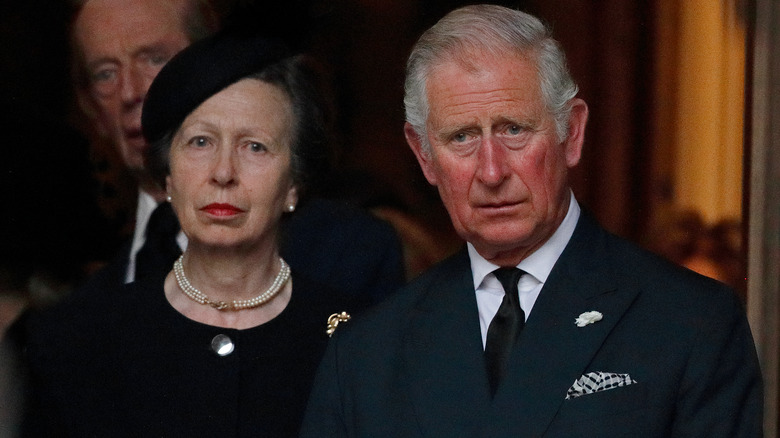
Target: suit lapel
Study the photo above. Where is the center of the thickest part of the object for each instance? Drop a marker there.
(443, 360)
(553, 351)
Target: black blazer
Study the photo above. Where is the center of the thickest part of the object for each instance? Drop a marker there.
(329, 242)
(414, 367)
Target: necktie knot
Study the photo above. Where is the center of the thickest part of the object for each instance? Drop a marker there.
(509, 277)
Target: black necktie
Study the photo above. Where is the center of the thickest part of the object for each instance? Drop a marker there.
(504, 328)
(160, 249)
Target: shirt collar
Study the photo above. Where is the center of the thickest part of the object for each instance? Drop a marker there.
(540, 262)
(146, 205)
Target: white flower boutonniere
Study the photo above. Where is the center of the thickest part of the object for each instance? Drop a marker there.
(586, 318)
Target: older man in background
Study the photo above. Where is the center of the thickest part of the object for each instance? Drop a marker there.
(545, 324)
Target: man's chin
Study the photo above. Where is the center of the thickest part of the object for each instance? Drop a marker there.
(133, 151)
(499, 242)
(135, 168)
(134, 160)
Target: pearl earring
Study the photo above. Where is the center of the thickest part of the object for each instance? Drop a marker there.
(168, 198)
(290, 208)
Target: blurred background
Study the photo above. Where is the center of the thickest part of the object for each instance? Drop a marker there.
(682, 99)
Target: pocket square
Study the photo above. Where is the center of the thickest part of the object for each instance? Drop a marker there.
(596, 382)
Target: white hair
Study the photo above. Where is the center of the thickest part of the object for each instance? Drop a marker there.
(495, 30)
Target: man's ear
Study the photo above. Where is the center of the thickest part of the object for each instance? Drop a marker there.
(423, 156)
(575, 138)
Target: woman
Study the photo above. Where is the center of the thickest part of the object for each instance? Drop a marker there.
(228, 343)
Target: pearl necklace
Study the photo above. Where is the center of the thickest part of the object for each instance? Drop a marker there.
(201, 298)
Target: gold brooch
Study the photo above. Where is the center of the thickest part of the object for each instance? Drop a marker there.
(334, 320)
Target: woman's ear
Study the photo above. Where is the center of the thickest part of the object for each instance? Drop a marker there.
(292, 197)
(168, 187)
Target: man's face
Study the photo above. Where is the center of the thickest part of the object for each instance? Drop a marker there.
(495, 156)
(124, 44)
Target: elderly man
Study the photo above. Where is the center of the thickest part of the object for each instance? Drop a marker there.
(545, 325)
(120, 46)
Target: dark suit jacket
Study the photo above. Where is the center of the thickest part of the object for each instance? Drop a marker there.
(414, 367)
(329, 242)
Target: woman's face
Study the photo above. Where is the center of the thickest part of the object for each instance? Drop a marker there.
(230, 177)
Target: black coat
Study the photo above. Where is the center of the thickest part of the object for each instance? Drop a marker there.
(414, 367)
(127, 364)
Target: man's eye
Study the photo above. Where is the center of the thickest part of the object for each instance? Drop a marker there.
(256, 147)
(460, 137)
(102, 75)
(158, 59)
(103, 82)
(514, 130)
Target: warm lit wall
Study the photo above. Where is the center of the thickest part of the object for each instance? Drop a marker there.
(699, 113)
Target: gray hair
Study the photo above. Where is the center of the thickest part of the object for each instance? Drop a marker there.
(492, 29)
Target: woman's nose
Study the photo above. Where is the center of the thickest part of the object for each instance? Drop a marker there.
(224, 170)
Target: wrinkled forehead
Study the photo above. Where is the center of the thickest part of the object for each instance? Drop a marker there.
(100, 22)
(475, 57)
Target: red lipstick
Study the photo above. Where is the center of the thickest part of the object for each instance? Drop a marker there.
(217, 209)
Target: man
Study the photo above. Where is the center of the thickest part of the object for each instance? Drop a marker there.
(120, 46)
(579, 333)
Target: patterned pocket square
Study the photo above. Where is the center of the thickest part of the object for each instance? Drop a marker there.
(596, 382)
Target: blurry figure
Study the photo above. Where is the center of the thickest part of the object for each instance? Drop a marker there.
(715, 250)
(728, 251)
(118, 49)
(422, 247)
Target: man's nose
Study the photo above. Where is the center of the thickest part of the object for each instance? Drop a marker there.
(492, 166)
(134, 86)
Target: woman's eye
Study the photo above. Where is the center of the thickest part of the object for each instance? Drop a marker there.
(256, 147)
(199, 141)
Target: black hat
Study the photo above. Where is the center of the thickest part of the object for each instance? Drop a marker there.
(200, 71)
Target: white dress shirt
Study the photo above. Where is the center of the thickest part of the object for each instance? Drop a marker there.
(537, 266)
(146, 205)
